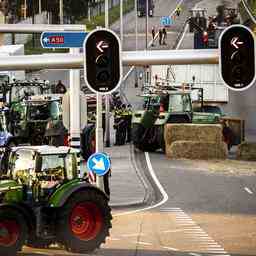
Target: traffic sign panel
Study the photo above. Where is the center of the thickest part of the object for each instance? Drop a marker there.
(99, 163)
(166, 21)
(60, 39)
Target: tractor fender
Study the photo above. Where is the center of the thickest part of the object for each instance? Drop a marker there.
(60, 197)
(28, 214)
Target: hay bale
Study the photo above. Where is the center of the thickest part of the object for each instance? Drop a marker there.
(197, 150)
(193, 132)
(246, 151)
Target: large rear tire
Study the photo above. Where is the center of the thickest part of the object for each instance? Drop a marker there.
(84, 221)
(145, 139)
(13, 231)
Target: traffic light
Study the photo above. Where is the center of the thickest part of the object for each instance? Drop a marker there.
(102, 61)
(237, 57)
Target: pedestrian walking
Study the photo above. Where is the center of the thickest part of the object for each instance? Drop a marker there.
(129, 124)
(164, 36)
(178, 11)
(160, 36)
(153, 35)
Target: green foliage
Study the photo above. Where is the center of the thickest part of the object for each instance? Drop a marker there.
(114, 15)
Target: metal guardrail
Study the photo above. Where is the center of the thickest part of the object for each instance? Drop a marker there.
(38, 28)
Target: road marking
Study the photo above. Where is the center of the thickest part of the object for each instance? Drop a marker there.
(157, 183)
(195, 254)
(113, 239)
(170, 248)
(136, 234)
(142, 243)
(248, 190)
(173, 231)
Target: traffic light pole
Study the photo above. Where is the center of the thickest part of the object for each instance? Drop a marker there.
(99, 136)
(107, 105)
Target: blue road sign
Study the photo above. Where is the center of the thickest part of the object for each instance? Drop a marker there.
(60, 39)
(98, 163)
(166, 21)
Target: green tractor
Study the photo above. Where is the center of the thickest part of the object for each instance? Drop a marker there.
(166, 106)
(44, 200)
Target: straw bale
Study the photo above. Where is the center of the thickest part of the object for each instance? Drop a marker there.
(247, 151)
(193, 132)
(196, 150)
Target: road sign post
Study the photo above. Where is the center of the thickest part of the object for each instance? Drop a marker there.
(237, 57)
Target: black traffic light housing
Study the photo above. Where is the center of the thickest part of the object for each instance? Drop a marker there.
(237, 57)
(102, 61)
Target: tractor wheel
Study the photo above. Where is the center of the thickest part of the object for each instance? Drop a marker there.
(143, 138)
(84, 221)
(13, 231)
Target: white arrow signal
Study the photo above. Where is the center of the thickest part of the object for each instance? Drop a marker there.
(99, 164)
(235, 42)
(102, 45)
(46, 40)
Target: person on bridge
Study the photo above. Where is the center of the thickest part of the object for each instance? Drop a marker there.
(153, 35)
(160, 36)
(164, 36)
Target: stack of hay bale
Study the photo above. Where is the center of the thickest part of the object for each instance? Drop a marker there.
(246, 151)
(195, 141)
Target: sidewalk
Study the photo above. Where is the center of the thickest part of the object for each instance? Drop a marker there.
(126, 186)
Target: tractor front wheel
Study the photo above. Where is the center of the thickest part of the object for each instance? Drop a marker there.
(84, 221)
(13, 231)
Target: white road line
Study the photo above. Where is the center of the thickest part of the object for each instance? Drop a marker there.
(113, 239)
(132, 235)
(157, 183)
(173, 231)
(142, 243)
(248, 190)
(195, 254)
(170, 248)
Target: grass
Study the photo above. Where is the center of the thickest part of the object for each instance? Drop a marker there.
(99, 20)
(114, 14)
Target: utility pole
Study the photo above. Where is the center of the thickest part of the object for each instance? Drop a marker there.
(39, 6)
(136, 38)
(146, 24)
(61, 11)
(121, 24)
(25, 9)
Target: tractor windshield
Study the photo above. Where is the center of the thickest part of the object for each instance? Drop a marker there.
(180, 103)
(22, 162)
(64, 166)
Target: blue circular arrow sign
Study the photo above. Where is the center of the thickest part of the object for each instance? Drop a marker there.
(99, 163)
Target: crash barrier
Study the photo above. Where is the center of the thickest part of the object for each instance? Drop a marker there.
(195, 141)
(246, 151)
(238, 128)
